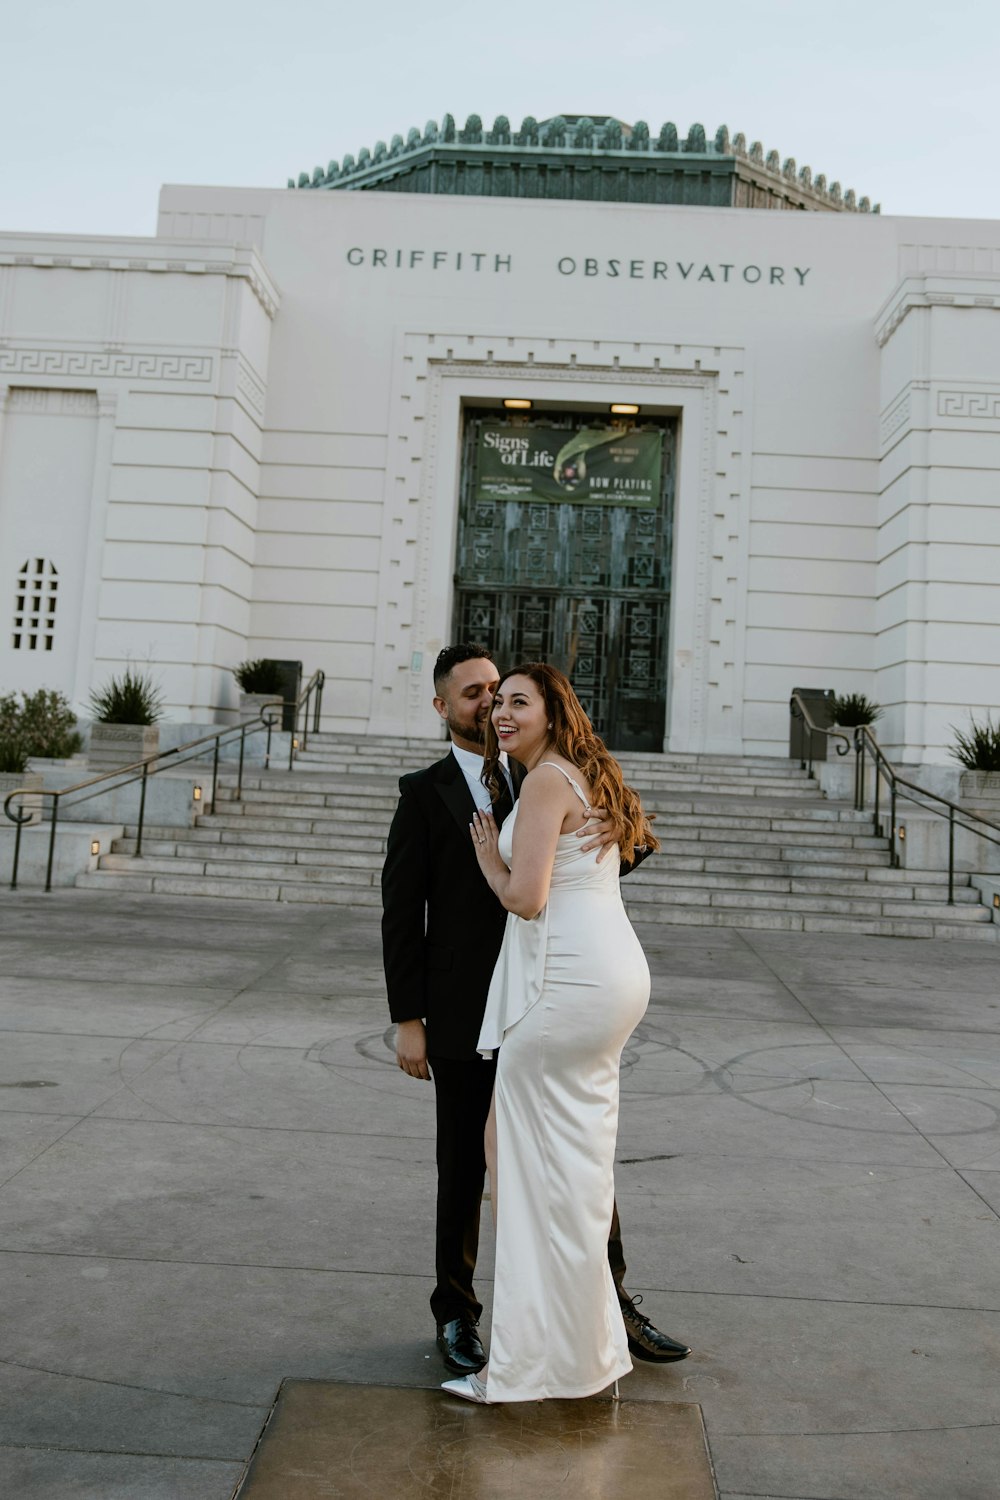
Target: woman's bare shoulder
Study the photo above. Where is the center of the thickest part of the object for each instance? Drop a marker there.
(554, 775)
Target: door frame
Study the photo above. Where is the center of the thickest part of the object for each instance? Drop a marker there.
(421, 499)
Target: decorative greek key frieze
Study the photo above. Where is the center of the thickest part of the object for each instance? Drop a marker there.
(107, 364)
(982, 406)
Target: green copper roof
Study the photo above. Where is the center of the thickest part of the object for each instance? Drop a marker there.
(585, 157)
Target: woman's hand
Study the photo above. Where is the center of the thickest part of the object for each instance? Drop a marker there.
(485, 836)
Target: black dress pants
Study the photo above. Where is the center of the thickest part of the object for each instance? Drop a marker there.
(463, 1091)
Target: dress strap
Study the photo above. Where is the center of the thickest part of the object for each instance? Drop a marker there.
(573, 783)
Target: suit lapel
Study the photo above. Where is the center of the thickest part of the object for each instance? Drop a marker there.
(453, 789)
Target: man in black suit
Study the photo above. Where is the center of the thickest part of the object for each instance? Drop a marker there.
(442, 928)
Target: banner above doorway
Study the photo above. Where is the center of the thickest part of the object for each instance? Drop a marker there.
(592, 466)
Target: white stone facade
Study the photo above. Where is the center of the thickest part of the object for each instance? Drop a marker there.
(242, 438)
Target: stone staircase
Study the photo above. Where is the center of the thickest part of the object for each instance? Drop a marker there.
(747, 842)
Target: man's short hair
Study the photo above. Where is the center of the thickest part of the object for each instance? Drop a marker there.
(451, 656)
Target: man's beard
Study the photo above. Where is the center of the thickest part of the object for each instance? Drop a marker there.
(474, 730)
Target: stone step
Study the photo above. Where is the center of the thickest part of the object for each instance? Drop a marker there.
(636, 776)
(682, 812)
(387, 774)
(185, 840)
(299, 781)
(669, 879)
(903, 909)
(872, 905)
(332, 806)
(240, 870)
(750, 856)
(808, 820)
(651, 792)
(235, 817)
(358, 862)
(425, 742)
(716, 844)
(695, 916)
(374, 800)
(230, 889)
(677, 824)
(781, 846)
(326, 741)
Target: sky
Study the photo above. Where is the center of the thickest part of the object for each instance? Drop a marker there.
(102, 102)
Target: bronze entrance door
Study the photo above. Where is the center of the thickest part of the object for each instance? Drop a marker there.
(585, 586)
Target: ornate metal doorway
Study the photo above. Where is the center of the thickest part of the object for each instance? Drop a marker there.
(584, 586)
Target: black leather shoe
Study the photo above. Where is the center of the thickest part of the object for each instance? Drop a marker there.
(461, 1346)
(646, 1341)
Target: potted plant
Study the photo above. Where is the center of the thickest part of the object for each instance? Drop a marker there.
(41, 726)
(14, 774)
(852, 710)
(978, 750)
(125, 712)
(260, 682)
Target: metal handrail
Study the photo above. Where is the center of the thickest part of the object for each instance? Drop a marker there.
(798, 710)
(865, 743)
(140, 770)
(313, 686)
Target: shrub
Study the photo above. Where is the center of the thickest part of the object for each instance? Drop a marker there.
(42, 724)
(979, 750)
(132, 698)
(854, 709)
(13, 758)
(260, 676)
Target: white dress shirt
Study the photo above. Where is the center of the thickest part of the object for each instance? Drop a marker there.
(472, 769)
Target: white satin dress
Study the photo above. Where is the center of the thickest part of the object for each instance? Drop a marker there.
(568, 989)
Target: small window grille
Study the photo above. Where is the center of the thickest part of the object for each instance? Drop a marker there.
(35, 606)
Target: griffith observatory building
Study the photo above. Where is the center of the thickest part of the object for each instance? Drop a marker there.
(684, 419)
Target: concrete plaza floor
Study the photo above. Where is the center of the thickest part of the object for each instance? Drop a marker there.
(214, 1177)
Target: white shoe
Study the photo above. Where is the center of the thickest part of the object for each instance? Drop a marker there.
(469, 1387)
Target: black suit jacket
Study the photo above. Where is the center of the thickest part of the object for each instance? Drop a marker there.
(442, 926)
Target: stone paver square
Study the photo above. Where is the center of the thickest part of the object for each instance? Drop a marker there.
(342, 1442)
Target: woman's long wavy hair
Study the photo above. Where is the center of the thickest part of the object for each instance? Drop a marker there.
(574, 739)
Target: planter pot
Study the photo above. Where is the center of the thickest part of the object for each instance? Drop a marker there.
(9, 782)
(980, 793)
(981, 790)
(113, 745)
(252, 703)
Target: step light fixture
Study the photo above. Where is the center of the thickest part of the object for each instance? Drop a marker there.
(624, 409)
(517, 403)
(95, 846)
(196, 794)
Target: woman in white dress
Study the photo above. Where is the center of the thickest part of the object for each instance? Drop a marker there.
(569, 987)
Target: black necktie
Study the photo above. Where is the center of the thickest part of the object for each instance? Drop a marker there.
(504, 805)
